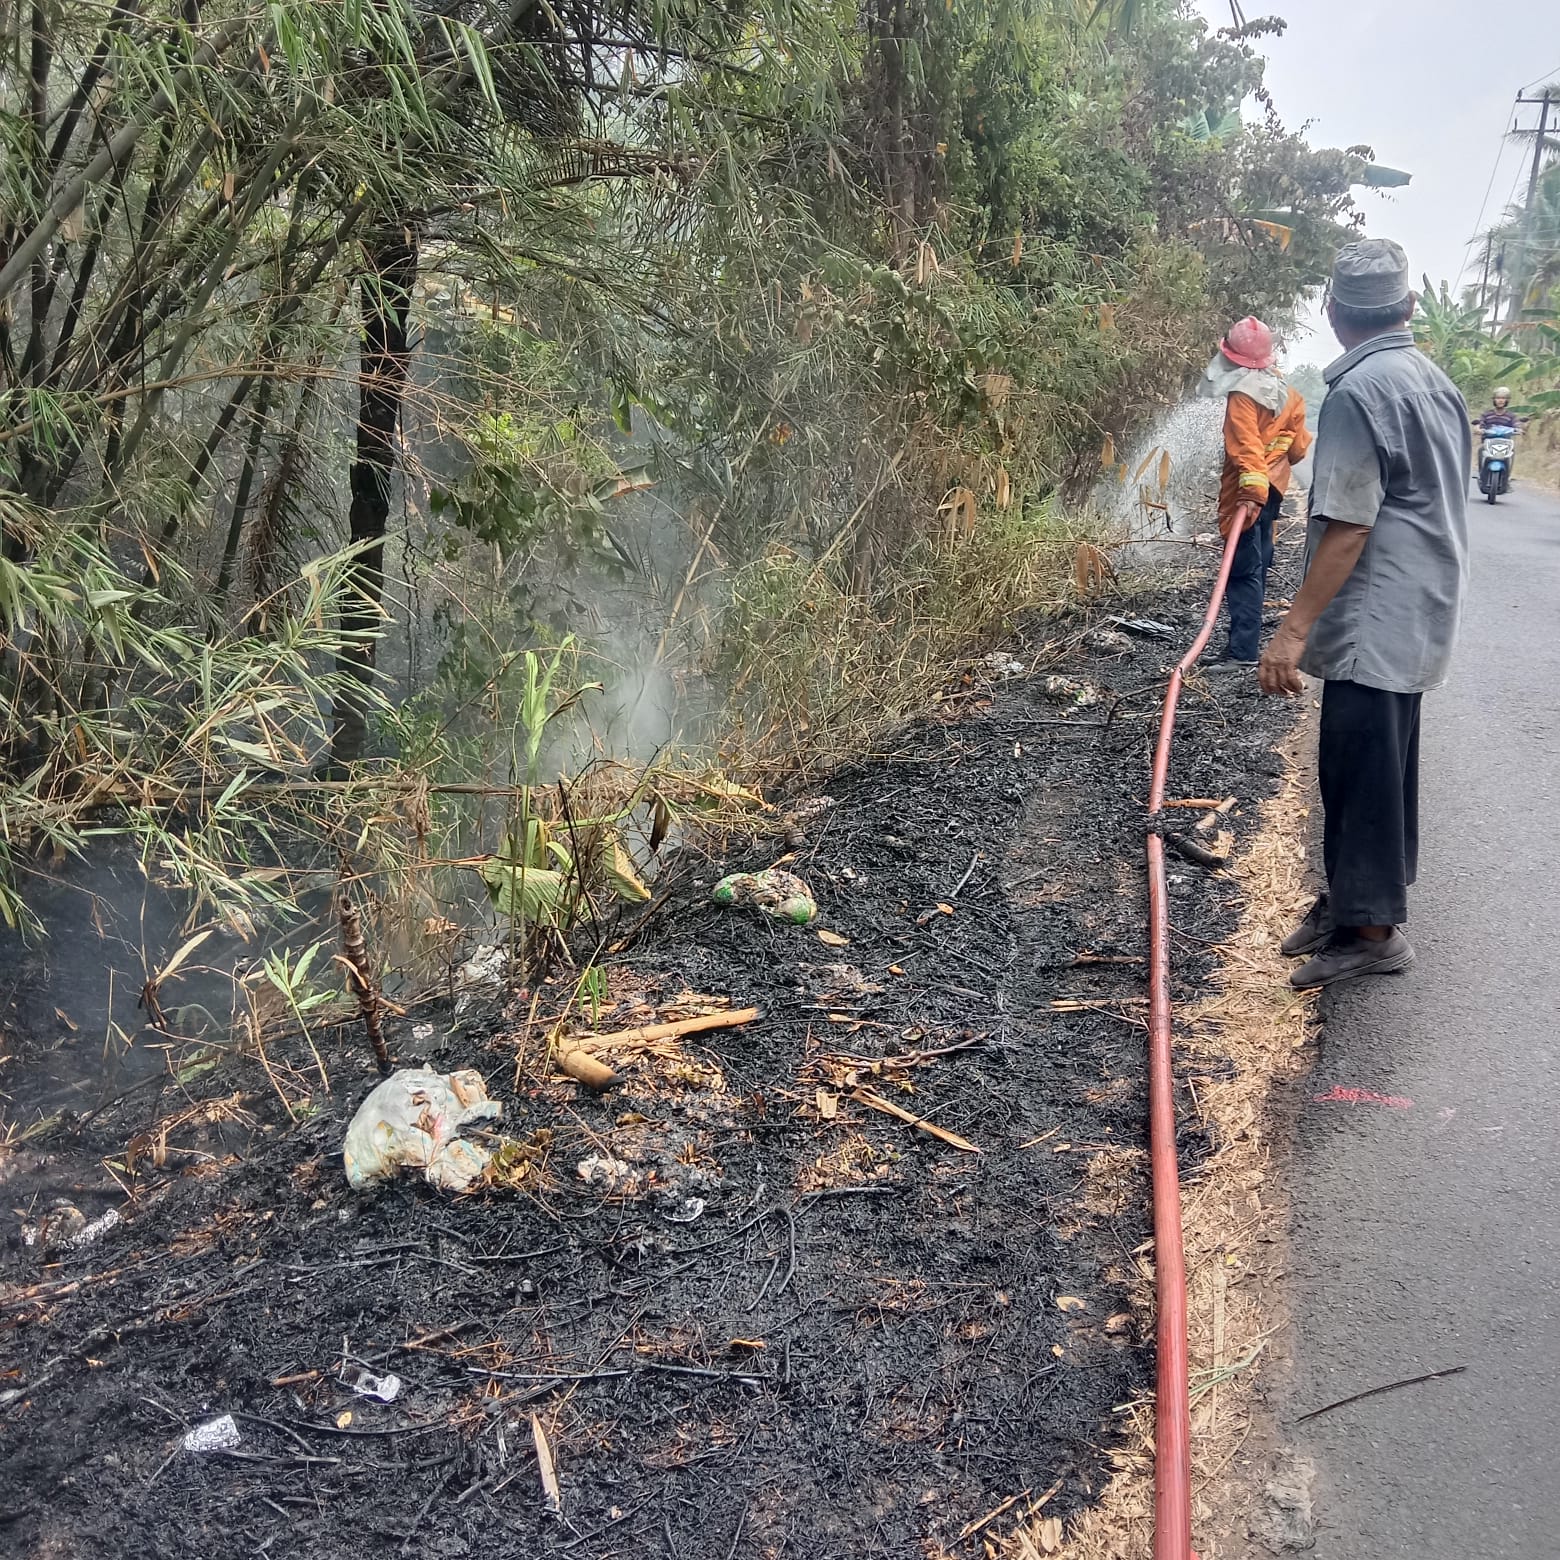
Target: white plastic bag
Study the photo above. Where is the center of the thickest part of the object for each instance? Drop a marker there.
(413, 1120)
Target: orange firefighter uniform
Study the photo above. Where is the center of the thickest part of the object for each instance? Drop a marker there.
(1259, 448)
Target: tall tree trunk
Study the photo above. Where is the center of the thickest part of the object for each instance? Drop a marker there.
(383, 366)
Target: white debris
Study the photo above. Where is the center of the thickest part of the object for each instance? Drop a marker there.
(413, 1120)
(99, 1226)
(1110, 640)
(216, 1435)
(690, 1209)
(1067, 690)
(480, 977)
(66, 1228)
(1001, 665)
(601, 1170)
(383, 1389)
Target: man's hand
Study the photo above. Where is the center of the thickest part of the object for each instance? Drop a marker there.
(1246, 516)
(1279, 669)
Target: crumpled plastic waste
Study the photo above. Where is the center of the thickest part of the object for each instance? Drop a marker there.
(1002, 665)
(216, 1435)
(480, 978)
(65, 1227)
(383, 1389)
(1067, 690)
(782, 895)
(413, 1120)
(1146, 628)
(689, 1209)
(602, 1170)
(1110, 640)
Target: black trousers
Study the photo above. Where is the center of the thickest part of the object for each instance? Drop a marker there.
(1368, 765)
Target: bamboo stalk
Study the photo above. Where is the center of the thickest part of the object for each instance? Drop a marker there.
(650, 1033)
(360, 977)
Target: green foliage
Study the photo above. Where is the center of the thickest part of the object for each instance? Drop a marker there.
(739, 305)
(1455, 336)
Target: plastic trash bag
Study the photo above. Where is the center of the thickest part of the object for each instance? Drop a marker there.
(413, 1120)
(782, 895)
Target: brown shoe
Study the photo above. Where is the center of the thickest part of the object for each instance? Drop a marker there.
(1348, 955)
(1311, 933)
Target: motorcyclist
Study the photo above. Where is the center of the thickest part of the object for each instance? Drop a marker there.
(1500, 419)
(1500, 414)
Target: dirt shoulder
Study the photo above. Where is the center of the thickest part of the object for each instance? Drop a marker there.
(736, 1304)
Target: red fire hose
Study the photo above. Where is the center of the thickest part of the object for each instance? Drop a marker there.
(1172, 1411)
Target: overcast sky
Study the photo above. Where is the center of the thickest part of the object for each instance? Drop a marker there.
(1429, 85)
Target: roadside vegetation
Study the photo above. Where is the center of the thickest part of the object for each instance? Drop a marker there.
(1505, 328)
(378, 380)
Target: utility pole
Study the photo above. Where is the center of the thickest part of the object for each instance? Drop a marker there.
(1519, 288)
(1484, 282)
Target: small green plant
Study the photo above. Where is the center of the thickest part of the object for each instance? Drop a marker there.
(290, 975)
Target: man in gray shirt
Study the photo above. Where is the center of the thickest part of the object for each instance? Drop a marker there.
(1377, 615)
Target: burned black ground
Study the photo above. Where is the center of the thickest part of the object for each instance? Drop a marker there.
(866, 1340)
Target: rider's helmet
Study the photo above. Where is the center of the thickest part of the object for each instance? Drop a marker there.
(1500, 397)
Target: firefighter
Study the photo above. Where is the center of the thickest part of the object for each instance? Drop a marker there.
(1264, 436)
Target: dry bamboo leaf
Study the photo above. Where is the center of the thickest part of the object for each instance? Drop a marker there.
(957, 511)
(833, 939)
(1004, 488)
(1069, 1303)
(828, 1105)
(184, 952)
(1049, 1533)
(73, 227)
(1137, 476)
(1107, 316)
(1092, 570)
(1164, 471)
(888, 1108)
(1108, 451)
(545, 1468)
(1018, 247)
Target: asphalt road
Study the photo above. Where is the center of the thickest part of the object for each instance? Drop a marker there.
(1427, 1235)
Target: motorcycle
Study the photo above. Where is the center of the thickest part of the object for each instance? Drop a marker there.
(1496, 449)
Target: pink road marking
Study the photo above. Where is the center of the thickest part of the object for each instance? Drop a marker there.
(1339, 1095)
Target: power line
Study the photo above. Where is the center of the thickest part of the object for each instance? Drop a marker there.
(1478, 226)
(1548, 75)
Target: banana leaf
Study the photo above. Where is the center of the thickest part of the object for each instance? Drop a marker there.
(534, 894)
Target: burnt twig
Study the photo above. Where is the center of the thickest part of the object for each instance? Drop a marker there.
(1193, 852)
(1391, 1386)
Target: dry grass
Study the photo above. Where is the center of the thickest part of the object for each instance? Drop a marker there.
(822, 665)
(1234, 1222)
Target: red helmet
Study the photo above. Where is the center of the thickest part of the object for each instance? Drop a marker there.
(1249, 343)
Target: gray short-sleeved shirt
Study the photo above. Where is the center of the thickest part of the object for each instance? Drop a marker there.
(1392, 453)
